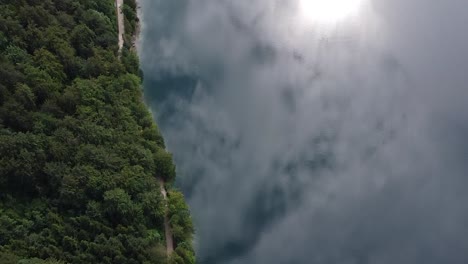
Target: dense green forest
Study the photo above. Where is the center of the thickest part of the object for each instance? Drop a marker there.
(79, 152)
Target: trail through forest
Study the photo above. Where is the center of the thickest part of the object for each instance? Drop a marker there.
(120, 18)
(167, 227)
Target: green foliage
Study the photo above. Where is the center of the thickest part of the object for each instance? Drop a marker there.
(129, 9)
(180, 220)
(82, 39)
(79, 151)
(165, 167)
(183, 254)
(106, 34)
(48, 62)
(130, 61)
(119, 207)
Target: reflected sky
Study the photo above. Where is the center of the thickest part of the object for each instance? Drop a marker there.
(297, 142)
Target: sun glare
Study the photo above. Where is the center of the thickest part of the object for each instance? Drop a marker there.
(328, 11)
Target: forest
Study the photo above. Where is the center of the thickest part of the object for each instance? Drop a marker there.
(80, 154)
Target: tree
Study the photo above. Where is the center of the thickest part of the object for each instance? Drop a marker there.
(179, 214)
(82, 39)
(25, 96)
(79, 151)
(17, 55)
(130, 61)
(106, 35)
(119, 207)
(183, 254)
(48, 62)
(165, 167)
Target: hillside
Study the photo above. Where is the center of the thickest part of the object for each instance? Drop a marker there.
(80, 154)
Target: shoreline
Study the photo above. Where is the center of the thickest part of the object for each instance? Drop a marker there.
(169, 237)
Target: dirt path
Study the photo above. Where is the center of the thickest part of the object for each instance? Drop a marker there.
(167, 227)
(120, 19)
(121, 27)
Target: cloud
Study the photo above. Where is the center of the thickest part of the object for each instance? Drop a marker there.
(303, 144)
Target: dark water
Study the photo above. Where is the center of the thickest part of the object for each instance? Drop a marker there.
(297, 144)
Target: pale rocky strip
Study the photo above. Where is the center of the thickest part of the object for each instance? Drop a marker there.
(120, 19)
(167, 227)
